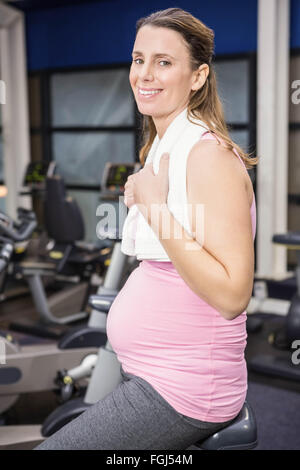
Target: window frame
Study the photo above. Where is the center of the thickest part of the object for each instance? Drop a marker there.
(46, 129)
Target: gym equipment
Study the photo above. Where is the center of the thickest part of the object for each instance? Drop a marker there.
(35, 176)
(272, 295)
(32, 271)
(34, 367)
(241, 434)
(53, 359)
(68, 257)
(34, 187)
(282, 365)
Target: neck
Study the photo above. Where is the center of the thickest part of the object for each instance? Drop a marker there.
(162, 122)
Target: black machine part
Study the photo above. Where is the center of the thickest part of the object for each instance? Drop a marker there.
(21, 229)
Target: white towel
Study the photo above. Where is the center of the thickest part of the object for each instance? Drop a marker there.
(138, 238)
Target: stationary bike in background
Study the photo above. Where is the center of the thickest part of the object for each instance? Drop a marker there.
(63, 257)
(33, 365)
(65, 377)
(287, 338)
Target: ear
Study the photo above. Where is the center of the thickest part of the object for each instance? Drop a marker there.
(200, 77)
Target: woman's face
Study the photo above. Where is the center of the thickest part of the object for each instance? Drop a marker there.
(160, 75)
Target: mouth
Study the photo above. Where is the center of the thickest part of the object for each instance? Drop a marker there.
(149, 93)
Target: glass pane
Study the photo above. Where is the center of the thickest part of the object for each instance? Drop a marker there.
(102, 98)
(34, 95)
(294, 162)
(241, 138)
(82, 156)
(233, 86)
(294, 89)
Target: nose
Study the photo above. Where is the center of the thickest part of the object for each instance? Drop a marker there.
(146, 72)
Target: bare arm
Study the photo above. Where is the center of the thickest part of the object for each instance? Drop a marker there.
(219, 268)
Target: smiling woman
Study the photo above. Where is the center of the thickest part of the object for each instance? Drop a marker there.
(160, 74)
(178, 326)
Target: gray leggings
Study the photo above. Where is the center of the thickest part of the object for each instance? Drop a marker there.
(133, 416)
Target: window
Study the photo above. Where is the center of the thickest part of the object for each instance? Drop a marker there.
(236, 87)
(83, 119)
(81, 157)
(233, 84)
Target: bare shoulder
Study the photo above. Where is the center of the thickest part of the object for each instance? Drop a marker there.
(211, 162)
(208, 155)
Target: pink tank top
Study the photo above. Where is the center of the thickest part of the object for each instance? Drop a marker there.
(164, 333)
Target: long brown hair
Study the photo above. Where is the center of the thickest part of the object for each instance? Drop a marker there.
(204, 103)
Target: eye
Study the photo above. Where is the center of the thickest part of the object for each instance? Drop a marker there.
(165, 61)
(135, 60)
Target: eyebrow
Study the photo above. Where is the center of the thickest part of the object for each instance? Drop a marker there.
(159, 54)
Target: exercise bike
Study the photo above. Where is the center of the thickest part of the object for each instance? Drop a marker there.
(63, 256)
(35, 367)
(59, 366)
(287, 337)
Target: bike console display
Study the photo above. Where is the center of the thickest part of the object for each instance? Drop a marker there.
(36, 173)
(114, 178)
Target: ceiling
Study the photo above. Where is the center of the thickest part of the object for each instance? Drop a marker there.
(29, 5)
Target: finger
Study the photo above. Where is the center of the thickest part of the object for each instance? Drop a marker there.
(149, 168)
(128, 192)
(128, 185)
(129, 201)
(164, 162)
(128, 195)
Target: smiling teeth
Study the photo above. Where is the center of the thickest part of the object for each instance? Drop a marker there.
(149, 92)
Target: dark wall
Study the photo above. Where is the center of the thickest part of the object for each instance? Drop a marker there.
(103, 33)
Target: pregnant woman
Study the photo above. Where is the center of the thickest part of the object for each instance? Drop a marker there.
(178, 326)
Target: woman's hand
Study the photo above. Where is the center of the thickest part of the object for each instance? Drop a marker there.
(148, 190)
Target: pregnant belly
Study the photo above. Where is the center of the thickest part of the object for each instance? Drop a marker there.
(158, 312)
